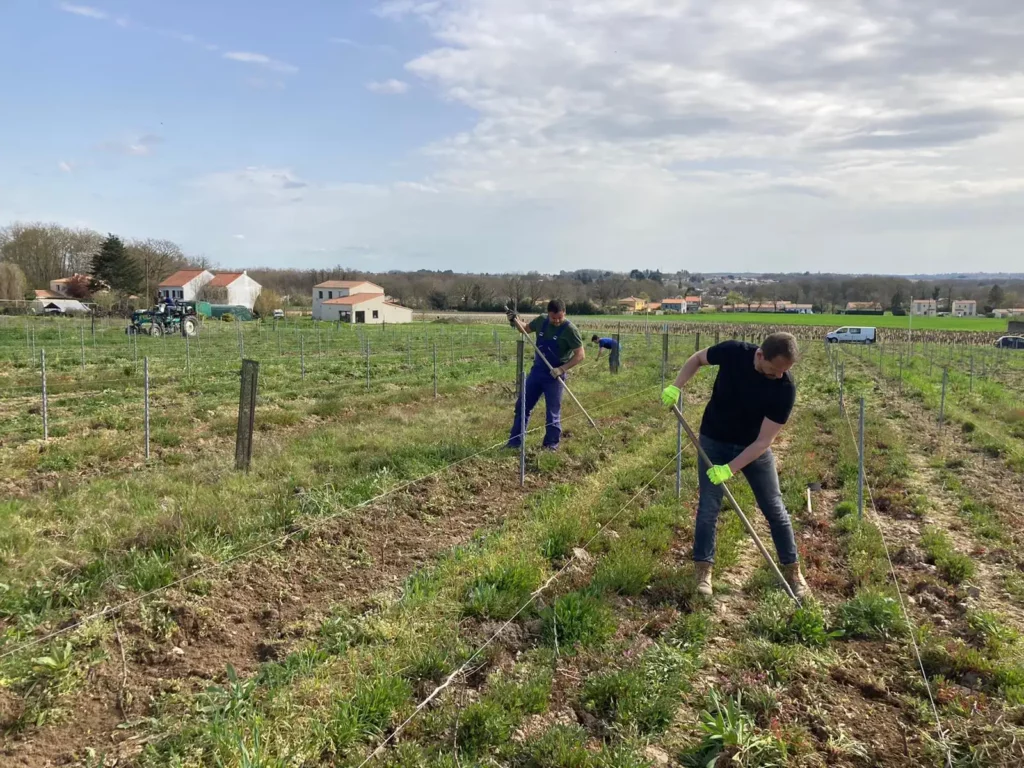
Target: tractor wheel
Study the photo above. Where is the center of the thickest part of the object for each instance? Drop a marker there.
(189, 327)
(156, 330)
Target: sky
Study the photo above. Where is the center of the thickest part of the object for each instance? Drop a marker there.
(514, 135)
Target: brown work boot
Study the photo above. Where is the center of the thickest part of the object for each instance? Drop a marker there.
(702, 571)
(796, 580)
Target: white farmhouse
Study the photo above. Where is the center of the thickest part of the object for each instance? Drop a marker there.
(185, 284)
(965, 308)
(356, 301)
(242, 290)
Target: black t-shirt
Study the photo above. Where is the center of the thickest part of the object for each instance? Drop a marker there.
(742, 398)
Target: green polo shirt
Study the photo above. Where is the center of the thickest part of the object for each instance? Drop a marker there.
(569, 339)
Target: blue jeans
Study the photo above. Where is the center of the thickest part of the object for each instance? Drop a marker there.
(764, 482)
(540, 382)
(613, 360)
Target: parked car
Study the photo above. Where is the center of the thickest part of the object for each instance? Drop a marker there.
(279, 314)
(1010, 342)
(851, 335)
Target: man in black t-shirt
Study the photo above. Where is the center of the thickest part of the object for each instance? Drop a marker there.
(752, 398)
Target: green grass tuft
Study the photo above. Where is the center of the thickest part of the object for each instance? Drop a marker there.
(872, 615)
(577, 618)
(778, 619)
(953, 566)
(503, 589)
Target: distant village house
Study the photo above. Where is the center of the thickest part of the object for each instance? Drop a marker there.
(184, 285)
(234, 288)
(356, 301)
(864, 308)
(965, 308)
(631, 305)
(924, 307)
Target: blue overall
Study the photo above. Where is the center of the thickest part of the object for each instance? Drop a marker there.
(540, 381)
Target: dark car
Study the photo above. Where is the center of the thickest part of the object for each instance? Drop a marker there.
(1010, 342)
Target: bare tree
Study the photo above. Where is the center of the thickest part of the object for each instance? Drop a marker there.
(13, 285)
(156, 260)
(515, 289)
(47, 252)
(215, 294)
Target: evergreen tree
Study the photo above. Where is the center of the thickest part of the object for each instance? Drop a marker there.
(897, 301)
(113, 266)
(996, 296)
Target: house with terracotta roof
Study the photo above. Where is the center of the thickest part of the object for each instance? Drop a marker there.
(676, 304)
(693, 303)
(631, 304)
(238, 289)
(356, 301)
(185, 284)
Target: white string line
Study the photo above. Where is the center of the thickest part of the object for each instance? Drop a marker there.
(272, 542)
(533, 596)
(1010, 448)
(906, 615)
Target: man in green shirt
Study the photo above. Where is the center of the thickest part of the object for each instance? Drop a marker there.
(560, 343)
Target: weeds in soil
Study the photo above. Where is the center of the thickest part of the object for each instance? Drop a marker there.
(780, 620)
(641, 699)
(577, 619)
(730, 732)
(953, 566)
(871, 615)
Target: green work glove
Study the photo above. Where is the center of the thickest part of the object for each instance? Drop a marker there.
(670, 395)
(719, 473)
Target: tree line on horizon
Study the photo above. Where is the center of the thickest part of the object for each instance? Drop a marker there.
(33, 254)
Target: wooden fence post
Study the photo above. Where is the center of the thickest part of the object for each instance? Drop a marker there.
(246, 414)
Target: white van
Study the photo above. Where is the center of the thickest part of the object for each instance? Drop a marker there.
(852, 334)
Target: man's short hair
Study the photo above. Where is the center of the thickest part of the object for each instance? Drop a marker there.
(779, 345)
(556, 305)
(594, 337)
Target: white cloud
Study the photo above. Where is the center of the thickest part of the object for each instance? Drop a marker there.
(65, 166)
(261, 60)
(388, 86)
(238, 237)
(350, 43)
(137, 146)
(83, 10)
(852, 135)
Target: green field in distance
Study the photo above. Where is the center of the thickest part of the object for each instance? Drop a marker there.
(832, 321)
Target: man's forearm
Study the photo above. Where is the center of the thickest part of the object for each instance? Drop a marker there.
(748, 455)
(575, 360)
(689, 370)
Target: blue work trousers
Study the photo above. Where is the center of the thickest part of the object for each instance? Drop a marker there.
(540, 382)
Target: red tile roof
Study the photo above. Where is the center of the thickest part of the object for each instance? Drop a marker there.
(224, 279)
(181, 278)
(356, 298)
(44, 294)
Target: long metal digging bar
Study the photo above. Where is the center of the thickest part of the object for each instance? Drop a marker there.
(562, 381)
(732, 500)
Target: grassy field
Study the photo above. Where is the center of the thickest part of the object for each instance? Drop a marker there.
(380, 578)
(830, 321)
